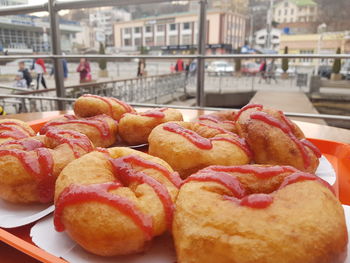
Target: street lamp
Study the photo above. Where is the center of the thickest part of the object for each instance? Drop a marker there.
(321, 29)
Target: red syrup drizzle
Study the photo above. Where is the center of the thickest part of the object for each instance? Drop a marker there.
(193, 137)
(247, 107)
(108, 100)
(286, 120)
(204, 143)
(261, 116)
(259, 171)
(127, 175)
(27, 145)
(74, 139)
(230, 182)
(258, 201)
(300, 176)
(77, 194)
(12, 130)
(96, 122)
(208, 118)
(312, 147)
(40, 167)
(156, 113)
(70, 117)
(222, 130)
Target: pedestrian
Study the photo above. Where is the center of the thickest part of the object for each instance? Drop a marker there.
(271, 71)
(141, 68)
(40, 70)
(25, 73)
(84, 70)
(179, 67)
(65, 69)
(172, 68)
(262, 71)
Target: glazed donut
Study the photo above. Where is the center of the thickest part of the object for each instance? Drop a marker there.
(91, 105)
(274, 139)
(11, 129)
(101, 129)
(189, 147)
(222, 119)
(134, 128)
(252, 214)
(114, 201)
(30, 166)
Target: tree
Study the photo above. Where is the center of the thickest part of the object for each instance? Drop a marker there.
(337, 63)
(102, 63)
(238, 62)
(334, 13)
(285, 61)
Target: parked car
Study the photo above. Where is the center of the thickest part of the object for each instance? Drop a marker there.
(220, 68)
(325, 71)
(345, 70)
(250, 68)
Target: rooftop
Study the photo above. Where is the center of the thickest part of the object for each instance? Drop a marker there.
(303, 2)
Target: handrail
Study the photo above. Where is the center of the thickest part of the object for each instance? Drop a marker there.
(149, 105)
(227, 56)
(89, 84)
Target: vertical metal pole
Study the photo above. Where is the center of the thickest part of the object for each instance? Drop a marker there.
(202, 36)
(56, 50)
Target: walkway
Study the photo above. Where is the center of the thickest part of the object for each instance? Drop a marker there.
(289, 101)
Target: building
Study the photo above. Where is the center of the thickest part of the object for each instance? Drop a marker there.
(261, 35)
(239, 6)
(291, 11)
(20, 34)
(325, 43)
(178, 33)
(102, 21)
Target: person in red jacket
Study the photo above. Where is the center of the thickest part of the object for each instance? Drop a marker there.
(40, 70)
(84, 70)
(179, 67)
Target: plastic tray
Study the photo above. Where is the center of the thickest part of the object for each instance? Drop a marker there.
(337, 153)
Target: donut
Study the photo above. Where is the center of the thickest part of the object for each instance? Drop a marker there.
(222, 119)
(134, 128)
(91, 105)
(274, 139)
(113, 202)
(12, 129)
(30, 166)
(102, 130)
(255, 213)
(189, 147)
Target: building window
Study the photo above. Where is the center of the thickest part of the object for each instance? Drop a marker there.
(172, 27)
(285, 4)
(160, 28)
(285, 12)
(127, 42)
(137, 41)
(160, 41)
(280, 12)
(137, 30)
(149, 41)
(149, 29)
(310, 51)
(127, 30)
(186, 39)
(292, 11)
(186, 26)
(173, 40)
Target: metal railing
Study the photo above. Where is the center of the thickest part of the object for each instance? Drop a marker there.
(54, 6)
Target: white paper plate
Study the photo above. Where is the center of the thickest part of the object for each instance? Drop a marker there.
(15, 215)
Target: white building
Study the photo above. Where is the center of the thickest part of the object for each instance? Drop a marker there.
(292, 11)
(261, 35)
(103, 20)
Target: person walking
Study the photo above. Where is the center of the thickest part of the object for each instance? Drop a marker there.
(40, 70)
(84, 70)
(179, 67)
(25, 73)
(141, 68)
(65, 69)
(262, 71)
(271, 71)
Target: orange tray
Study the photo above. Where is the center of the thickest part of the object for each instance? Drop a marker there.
(338, 154)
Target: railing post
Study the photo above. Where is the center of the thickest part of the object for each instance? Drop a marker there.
(202, 36)
(56, 50)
